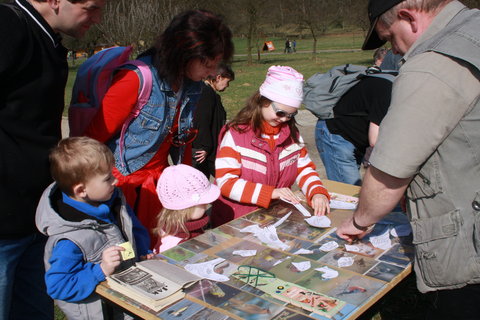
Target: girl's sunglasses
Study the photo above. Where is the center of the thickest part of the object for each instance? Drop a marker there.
(280, 113)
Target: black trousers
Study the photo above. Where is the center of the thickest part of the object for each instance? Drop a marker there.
(456, 304)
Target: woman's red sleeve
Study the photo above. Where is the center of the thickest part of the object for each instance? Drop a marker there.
(117, 103)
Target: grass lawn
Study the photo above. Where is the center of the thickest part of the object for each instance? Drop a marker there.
(248, 78)
(404, 301)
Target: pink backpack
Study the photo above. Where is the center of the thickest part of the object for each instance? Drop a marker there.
(92, 82)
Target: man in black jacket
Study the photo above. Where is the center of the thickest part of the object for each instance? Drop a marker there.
(33, 74)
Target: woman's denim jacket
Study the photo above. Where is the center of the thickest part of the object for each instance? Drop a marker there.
(148, 130)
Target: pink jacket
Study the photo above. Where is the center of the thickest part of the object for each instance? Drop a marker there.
(258, 171)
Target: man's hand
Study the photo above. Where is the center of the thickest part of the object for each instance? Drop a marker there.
(349, 232)
(379, 194)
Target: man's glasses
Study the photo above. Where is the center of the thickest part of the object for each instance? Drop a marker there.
(183, 138)
(280, 113)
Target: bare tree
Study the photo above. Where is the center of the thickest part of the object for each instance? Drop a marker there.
(472, 3)
(138, 22)
(314, 16)
(245, 17)
(131, 22)
(358, 14)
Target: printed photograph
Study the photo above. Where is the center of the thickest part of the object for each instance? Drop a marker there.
(180, 310)
(356, 290)
(251, 307)
(194, 245)
(398, 254)
(385, 271)
(211, 292)
(361, 264)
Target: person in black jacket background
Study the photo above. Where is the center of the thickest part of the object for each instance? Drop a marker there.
(33, 74)
(209, 119)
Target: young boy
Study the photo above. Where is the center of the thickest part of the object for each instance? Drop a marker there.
(86, 219)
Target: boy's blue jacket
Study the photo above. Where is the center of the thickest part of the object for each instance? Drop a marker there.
(78, 234)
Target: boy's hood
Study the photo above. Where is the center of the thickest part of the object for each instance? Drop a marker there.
(49, 222)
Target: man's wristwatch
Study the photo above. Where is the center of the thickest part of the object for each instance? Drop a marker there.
(359, 227)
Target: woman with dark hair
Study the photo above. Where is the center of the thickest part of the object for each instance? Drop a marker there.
(188, 50)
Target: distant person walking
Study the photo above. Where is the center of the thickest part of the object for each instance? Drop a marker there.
(288, 47)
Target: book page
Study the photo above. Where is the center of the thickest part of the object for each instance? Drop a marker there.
(147, 283)
(156, 305)
(176, 274)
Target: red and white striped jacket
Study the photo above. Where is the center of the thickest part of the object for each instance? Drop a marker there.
(248, 170)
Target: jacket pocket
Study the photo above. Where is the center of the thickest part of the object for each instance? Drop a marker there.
(144, 129)
(427, 182)
(476, 223)
(439, 248)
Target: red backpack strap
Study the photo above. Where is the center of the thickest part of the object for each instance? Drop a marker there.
(146, 83)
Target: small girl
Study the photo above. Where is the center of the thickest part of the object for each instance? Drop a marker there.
(262, 154)
(185, 193)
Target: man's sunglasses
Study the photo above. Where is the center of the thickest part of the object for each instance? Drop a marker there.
(280, 113)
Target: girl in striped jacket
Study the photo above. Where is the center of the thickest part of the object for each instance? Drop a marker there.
(261, 154)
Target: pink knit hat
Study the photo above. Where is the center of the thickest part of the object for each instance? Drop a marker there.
(283, 85)
(181, 187)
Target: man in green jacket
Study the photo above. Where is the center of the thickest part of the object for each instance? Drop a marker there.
(429, 146)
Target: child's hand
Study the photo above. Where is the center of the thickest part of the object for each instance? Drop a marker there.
(200, 156)
(320, 204)
(148, 256)
(111, 258)
(285, 193)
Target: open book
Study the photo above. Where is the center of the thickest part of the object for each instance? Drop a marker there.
(154, 283)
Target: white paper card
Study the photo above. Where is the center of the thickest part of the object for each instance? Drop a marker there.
(280, 261)
(352, 248)
(336, 204)
(245, 253)
(345, 262)
(382, 241)
(327, 273)
(267, 235)
(319, 221)
(342, 201)
(299, 207)
(302, 266)
(303, 251)
(254, 228)
(206, 270)
(329, 246)
(282, 220)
